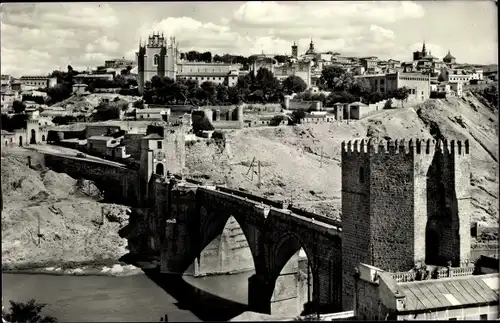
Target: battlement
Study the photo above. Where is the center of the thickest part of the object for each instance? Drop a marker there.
(413, 146)
(32, 121)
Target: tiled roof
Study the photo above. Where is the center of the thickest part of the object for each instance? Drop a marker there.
(449, 292)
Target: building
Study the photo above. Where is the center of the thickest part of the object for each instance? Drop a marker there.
(383, 295)
(420, 54)
(449, 59)
(158, 58)
(119, 63)
(86, 78)
(8, 97)
(455, 75)
(218, 73)
(418, 84)
(384, 186)
(44, 82)
(299, 68)
(158, 114)
(30, 135)
(100, 144)
(79, 88)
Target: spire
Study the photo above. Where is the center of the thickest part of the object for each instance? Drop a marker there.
(423, 48)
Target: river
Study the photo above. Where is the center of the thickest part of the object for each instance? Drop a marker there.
(139, 298)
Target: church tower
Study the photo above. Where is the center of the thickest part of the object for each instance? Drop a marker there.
(151, 59)
(295, 50)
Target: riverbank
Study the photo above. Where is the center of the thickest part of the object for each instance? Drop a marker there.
(85, 268)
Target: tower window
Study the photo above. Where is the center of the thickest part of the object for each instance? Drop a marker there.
(156, 60)
(159, 144)
(361, 175)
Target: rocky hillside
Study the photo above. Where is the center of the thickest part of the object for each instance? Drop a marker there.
(67, 212)
(303, 162)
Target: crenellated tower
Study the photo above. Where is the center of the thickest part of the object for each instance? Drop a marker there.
(402, 203)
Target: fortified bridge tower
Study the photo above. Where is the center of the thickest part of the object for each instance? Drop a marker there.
(403, 203)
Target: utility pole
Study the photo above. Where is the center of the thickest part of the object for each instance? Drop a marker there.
(39, 231)
(321, 158)
(259, 182)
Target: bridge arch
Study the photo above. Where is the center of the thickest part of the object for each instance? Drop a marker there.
(214, 232)
(293, 276)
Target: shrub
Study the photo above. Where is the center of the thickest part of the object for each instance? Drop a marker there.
(388, 104)
(27, 313)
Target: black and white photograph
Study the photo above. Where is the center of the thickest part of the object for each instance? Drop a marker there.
(249, 161)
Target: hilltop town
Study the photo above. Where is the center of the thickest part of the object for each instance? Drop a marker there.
(267, 125)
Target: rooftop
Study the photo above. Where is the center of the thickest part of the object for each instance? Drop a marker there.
(101, 138)
(152, 136)
(449, 292)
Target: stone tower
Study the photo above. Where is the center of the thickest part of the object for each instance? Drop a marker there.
(295, 50)
(151, 59)
(162, 150)
(403, 203)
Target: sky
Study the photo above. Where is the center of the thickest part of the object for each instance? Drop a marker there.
(37, 38)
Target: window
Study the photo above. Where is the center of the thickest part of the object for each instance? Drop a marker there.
(483, 317)
(158, 144)
(382, 82)
(361, 175)
(156, 60)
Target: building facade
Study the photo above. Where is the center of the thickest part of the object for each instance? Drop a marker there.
(119, 63)
(418, 84)
(38, 81)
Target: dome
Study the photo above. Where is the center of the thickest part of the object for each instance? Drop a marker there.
(448, 57)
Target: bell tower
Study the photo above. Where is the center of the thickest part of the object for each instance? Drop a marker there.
(295, 50)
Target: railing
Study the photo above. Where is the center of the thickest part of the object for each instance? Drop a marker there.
(403, 277)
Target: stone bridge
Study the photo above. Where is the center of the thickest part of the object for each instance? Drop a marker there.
(196, 215)
(183, 222)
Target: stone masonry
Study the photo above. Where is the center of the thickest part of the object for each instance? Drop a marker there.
(198, 215)
(403, 203)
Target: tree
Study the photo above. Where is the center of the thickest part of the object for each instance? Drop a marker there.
(208, 92)
(27, 313)
(222, 93)
(206, 57)
(330, 74)
(402, 94)
(298, 115)
(294, 84)
(18, 107)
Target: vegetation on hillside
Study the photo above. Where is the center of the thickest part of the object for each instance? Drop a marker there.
(488, 95)
(26, 313)
(264, 87)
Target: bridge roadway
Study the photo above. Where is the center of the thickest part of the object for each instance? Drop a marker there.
(320, 222)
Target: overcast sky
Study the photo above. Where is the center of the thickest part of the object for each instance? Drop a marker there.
(38, 38)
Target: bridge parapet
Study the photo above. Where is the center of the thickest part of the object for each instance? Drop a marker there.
(322, 224)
